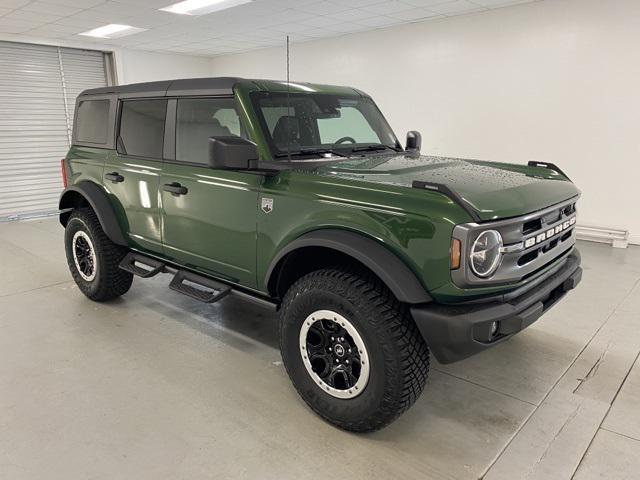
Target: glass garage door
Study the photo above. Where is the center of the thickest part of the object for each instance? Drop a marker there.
(38, 89)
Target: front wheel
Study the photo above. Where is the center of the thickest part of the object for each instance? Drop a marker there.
(351, 349)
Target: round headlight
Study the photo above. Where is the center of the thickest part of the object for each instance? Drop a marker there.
(485, 253)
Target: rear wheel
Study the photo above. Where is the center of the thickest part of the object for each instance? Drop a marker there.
(93, 259)
(351, 349)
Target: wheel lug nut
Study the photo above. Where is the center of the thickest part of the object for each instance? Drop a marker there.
(337, 360)
(346, 361)
(333, 338)
(330, 349)
(342, 339)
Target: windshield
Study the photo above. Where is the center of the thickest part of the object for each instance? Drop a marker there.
(314, 124)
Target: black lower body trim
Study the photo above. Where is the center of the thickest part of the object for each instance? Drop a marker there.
(455, 332)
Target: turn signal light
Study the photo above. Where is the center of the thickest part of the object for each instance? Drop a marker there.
(455, 254)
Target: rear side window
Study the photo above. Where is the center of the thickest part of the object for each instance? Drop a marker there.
(142, 128)
(92, 121)
(201, 118)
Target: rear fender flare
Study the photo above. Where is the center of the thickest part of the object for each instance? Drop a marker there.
(96, 197)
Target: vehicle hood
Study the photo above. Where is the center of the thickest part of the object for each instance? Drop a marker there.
(491, 190)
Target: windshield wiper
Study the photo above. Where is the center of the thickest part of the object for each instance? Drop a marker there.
(310, 151)
(374, 148)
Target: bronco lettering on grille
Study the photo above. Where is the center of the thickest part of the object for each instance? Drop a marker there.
(541, 237)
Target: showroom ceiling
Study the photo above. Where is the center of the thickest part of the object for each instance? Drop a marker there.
(257, 24)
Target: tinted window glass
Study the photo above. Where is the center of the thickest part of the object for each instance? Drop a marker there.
(142, 127)
(92, 121)
(299, 122)
(199, 119)
(349, 119)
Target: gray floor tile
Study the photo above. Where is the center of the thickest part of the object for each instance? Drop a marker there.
(554, 439)
(611, 456)
(624, 416)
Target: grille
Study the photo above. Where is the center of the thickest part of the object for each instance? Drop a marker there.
(532, 243)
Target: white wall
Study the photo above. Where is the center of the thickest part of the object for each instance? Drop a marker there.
(142, 66)
(556, 80)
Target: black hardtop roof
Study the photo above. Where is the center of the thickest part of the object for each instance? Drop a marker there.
(209, 86)
(221, 85)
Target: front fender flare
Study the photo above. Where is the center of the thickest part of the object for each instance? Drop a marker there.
(395, 274)
(99, 202)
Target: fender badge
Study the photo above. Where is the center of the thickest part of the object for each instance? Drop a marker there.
(267, 205)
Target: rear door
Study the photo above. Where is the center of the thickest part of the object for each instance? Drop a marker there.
(209, 215)
(132, 173)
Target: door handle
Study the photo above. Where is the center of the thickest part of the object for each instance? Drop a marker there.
(115, 177)
(175, 189)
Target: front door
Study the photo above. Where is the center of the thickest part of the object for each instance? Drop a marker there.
(208, 215)
(132, 174)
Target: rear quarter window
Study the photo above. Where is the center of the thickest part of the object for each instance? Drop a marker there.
(142, 127)
(92, 121)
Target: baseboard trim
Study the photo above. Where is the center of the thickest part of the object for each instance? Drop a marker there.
(615, 237)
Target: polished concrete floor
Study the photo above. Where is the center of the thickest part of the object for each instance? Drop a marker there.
(156, 386)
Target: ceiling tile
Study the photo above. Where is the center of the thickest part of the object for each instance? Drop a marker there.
(152, 4)
(498, 3)
(324, 7)
(12, 29)
(427, 3)
(377, 22)
(258, 24)
(45, 32)
(40, 18)
(291, 15)
(21, 25)
(13, 4)
(57, 28)
(291, 27)
(320, 21)
(456, 7)
(45, 7)
(356, 3)
(347, 27)
(352, 14)
(80, 23)
(122, 8)
(386, 8)
(78, 3)
(415, 14)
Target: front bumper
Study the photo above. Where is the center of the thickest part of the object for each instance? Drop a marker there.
(454, 332)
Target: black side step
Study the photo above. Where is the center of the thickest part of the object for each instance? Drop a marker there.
(214, 290)
(128, 264)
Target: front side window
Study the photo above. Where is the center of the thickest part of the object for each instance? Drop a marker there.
(304, 122)
(92, 121)
(198, 120)
(142, 128)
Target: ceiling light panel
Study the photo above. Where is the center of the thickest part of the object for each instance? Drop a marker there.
(113, 30)
(202, 7)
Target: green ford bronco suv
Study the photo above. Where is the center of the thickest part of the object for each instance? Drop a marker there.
(301, 195)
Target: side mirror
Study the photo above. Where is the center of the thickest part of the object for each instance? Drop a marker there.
(414, 142)
(232, 153)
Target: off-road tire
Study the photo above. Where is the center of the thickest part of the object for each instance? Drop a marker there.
(110, 281)
(398, 355)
